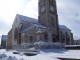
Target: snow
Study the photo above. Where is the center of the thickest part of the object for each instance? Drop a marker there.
(28, 19)
(72, 45)
(63, 27)
(47, 54)
(23, 30)
(62, 53)
(39, 25)
(11, 56)
(33, 20)
(19, 25)
(48, 45)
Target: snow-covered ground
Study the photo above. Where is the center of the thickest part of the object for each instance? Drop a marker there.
(49, 54)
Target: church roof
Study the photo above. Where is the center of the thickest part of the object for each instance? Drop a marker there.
(23, 30)
(33, 20)
(30, 27)
(4, 37)
(29, 19)
(39, 25)
(63, 27)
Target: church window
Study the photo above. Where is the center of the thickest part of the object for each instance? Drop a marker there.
(46, 36)
(22, 39)
(31, 38)
(25, 38)
(15, 33)
(61, 35)
(68, 39)
(63, 38)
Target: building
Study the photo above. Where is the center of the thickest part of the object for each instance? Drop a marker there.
(24, 29)
(3, 41)
(77, 40)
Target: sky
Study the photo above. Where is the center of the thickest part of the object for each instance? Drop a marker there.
(68, 13)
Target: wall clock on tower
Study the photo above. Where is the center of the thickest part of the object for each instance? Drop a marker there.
(52, 8)
(42, 9)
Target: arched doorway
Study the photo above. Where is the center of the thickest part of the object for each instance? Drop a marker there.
(54, 38)
(46, 36)
(31, 38)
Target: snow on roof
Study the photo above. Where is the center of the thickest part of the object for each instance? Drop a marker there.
(4, 37)
(19, 25)
(63, 27)
(29, 19)
(32, 20)
(39, 25)
(23, 30)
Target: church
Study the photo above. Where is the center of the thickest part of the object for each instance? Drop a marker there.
(46, 27)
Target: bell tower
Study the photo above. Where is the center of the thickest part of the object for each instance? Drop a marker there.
(48, 15)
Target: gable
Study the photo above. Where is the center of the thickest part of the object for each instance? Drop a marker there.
(29, 19)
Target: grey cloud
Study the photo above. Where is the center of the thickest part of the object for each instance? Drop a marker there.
(69, 14)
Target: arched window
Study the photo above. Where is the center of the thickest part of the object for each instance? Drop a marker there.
(63, 38)
(31, 38)
(25, 38)
(15, 33)
(54, 38)
(46, 35)
(68, 39)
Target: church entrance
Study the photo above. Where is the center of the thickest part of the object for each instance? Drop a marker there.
(54, 38)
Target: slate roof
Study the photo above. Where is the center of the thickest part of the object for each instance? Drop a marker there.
(63, 27)
(4, 37)
(32, 20)
(23, 30)
(19, 25)
(39, 25)
(29, 19)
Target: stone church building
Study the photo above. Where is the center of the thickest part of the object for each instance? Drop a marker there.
(46, 27)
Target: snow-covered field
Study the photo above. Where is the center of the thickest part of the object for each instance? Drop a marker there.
(49, 54)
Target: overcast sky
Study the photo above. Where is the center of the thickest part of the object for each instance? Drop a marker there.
(68, 13)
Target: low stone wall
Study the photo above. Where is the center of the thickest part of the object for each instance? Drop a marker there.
(37, 46)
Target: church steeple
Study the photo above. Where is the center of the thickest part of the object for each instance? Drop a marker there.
(48, 13)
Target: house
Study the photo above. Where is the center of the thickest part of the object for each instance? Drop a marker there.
(3, 41)
(77, 40)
